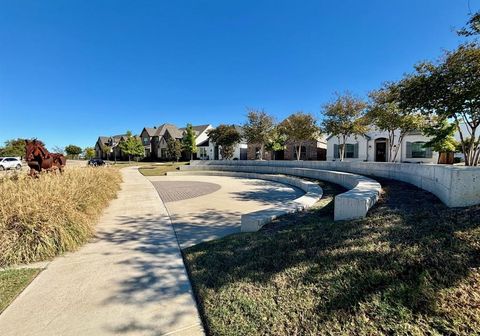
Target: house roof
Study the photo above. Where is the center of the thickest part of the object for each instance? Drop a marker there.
(150, 131)
(204, 143)
(173, 131)
(199, 129)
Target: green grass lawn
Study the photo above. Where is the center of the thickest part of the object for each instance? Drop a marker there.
(412, 267)
(160, 170)
(12, 282)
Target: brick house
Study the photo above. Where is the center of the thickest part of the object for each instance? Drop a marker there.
(107, 147)
(311, 150)
(155, 139)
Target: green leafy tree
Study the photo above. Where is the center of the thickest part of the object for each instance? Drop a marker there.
(299, 128)
(132, 146)
(174, 149)
(386, 115)
(73, 151)
(258, 129)
(89, 152)
(344, 117)
(277, 141)
(473, 26)
(226, 137)
(442, 140)
(106, 149)
(449, 90)
(13, 147)
(189, 141)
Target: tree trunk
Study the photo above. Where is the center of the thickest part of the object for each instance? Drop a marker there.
(391, 143)
(400, 141)
(342, 149)
(462, 141)
(298, 152)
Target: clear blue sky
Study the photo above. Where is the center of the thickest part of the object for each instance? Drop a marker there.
(73, 70)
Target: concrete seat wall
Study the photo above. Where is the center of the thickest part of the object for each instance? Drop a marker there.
(456, 186)
(355, 203)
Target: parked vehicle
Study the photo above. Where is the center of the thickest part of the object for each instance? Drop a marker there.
(96, 162)
(10, 163)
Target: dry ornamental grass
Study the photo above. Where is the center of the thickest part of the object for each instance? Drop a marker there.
(45, 217)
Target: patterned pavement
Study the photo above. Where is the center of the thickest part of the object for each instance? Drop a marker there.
(173, 191)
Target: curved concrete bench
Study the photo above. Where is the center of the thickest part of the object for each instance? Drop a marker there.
(456, 186)
(363, 192)
(253, 221)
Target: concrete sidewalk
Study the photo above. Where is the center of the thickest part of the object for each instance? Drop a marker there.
(130, 280)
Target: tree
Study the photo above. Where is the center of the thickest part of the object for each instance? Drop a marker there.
(299, 128)
(344, 117)
(189, 141)
(13, 147)
(132, 146)
(174, 149)
(449, 90)
(277, 142)
(385, 113)
(473, 26)
(106, 149)
(226, 137)
(442, 140)
(258, 129)
(89, 152)
(73, 151)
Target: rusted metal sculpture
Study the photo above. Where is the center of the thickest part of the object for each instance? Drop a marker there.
(39, 158)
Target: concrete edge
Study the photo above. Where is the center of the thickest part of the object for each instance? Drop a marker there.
(254, 221)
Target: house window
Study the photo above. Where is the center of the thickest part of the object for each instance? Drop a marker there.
(417, 150)
(145, 141)
(202, 152)
(163, 153)
(349, 151)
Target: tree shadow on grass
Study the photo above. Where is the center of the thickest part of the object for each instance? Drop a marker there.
(408, 248)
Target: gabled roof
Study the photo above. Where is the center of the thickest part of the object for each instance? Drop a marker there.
(150, 131)
(204, 143)
(103, 139)
(198, 129)
(160, 130)
(173, 131)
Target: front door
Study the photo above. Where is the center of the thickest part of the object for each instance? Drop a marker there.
(381, 152)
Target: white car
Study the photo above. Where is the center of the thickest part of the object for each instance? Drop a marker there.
(10, 163)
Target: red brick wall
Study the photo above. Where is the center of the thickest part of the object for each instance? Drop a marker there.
(289, 153)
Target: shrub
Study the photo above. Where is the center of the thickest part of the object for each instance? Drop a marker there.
(42, 218)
